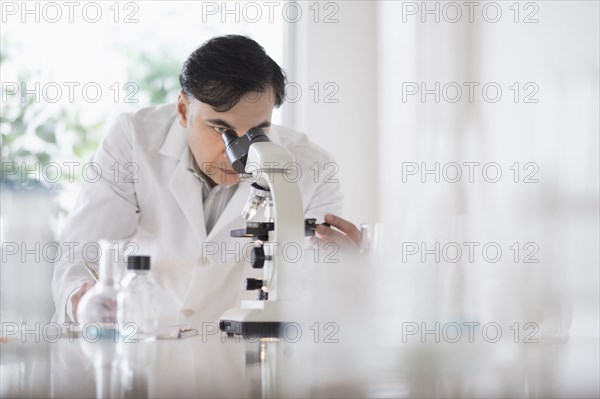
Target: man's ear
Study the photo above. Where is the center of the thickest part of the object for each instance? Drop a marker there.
(183, 105)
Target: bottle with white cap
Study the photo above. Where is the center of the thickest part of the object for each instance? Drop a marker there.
(138, 301)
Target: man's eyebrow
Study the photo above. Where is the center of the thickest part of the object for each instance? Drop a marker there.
(221, 122)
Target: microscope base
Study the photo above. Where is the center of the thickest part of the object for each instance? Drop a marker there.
(249, 329)
(256, 319)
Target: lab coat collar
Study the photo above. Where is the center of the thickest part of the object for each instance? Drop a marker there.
(274, 134)
(233, 210)
(187, 191)
(175, 142)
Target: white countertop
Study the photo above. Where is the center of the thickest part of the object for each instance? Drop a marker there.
(215, 366)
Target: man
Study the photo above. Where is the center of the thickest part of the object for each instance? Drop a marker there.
(167, 187)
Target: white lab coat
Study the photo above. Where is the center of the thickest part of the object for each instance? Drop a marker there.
(161, 212)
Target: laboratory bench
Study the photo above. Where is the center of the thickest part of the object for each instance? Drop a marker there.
(215, 365)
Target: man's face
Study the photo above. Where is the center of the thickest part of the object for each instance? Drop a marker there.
(205, 127)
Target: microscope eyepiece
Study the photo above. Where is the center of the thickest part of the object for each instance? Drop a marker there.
(236, 148)
(255, 133)
(228, 137)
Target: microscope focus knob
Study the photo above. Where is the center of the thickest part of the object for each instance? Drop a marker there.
(258, 257)
(253, 284)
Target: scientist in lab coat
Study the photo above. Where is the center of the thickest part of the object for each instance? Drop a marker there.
(166, 186)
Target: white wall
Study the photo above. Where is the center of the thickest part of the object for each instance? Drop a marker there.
(342, 53)
(559, 134)
(370, 53)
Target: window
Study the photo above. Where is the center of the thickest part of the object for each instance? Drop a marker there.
(68, 69)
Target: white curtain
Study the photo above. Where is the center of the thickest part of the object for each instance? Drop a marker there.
(549, 134)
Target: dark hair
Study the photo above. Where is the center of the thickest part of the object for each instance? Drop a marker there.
(225, 68)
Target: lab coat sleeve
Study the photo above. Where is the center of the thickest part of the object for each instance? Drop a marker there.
(327, 196)
(105, 209)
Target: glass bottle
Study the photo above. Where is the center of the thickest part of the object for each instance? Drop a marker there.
(138, 301)
(97, 311)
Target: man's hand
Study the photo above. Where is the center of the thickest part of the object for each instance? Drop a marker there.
(76, 297)
(348, 236)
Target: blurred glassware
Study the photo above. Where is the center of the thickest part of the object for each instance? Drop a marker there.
(371, 239)
(28, 249)
(138, 301)
(98, 306)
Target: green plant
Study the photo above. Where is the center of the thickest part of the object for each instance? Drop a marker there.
(157, 76)
(34, 133)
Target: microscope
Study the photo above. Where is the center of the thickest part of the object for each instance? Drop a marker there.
(278, 241)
